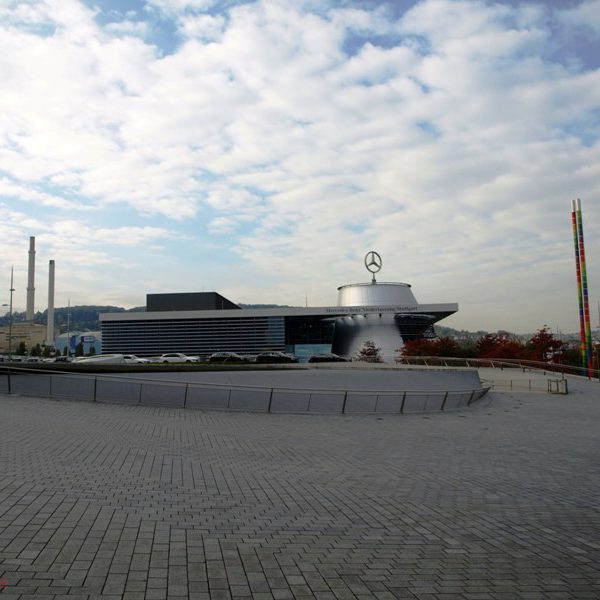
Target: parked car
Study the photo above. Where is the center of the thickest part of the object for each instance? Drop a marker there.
(327, 357)
(132, 359)
(275, 357)
(226, 357)
(110, 359)
(62, 359)
(177, 357)
(107, 359)
(14, 358)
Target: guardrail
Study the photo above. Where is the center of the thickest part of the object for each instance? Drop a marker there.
(549, 385)
(213, 396)
(499, 363)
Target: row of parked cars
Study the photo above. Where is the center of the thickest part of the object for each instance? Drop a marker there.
(18, 358)
(264, 357)
(25, 359)
(272, 357)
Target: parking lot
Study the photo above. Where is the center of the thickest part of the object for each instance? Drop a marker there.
(495, 501)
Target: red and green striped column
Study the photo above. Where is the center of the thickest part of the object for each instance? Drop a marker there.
(582, 288)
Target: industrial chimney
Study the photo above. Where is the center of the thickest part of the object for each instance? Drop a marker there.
(50, 327)
(30, 281)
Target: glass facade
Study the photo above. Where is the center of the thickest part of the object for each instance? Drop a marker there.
(193, 336)
(305, 334)
(309, 330)
(304, 351)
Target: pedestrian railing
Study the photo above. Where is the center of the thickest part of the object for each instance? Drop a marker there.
(500, 363)
(550, 385)
(110, 388)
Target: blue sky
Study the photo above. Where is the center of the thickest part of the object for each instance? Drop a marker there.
(261, 148)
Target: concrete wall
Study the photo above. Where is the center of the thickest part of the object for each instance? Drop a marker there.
(236, 397)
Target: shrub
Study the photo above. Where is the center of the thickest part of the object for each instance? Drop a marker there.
(369, 353)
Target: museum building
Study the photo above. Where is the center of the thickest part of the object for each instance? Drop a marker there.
(206, 322)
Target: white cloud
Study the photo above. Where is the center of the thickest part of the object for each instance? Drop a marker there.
(27, 194)
(205, 27)
(129, 27)
(586, 14)
(221, 225)
(453, 147)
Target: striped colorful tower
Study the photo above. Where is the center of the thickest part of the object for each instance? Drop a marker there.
(582, 336)
(582, 287)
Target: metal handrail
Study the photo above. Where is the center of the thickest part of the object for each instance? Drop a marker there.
(503, 362)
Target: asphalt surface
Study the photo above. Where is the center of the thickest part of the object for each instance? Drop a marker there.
(331, 378)
(496, 501)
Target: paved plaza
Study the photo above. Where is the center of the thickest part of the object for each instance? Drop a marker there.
(497, 501)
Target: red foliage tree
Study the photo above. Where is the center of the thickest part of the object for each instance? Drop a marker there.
(442, 346)
(544, 346)
(416, 348)
(496, 346)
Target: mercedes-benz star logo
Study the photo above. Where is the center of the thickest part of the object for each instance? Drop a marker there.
(373, 262)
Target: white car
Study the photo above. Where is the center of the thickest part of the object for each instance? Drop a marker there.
(132, 359)
(61, 359)
(110, 359)
(177, 357)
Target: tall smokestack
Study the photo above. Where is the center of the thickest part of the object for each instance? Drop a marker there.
(50, 327)
(31, 280)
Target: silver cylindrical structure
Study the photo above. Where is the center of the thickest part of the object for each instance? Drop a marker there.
(376, 294)
(352, 331)
(31, 281)
(50, 326)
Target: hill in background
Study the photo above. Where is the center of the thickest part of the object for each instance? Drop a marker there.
(80, 318)
(86, 318)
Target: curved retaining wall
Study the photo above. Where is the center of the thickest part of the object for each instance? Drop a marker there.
(322, 391)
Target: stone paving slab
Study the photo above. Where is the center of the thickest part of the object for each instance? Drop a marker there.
(499, 501)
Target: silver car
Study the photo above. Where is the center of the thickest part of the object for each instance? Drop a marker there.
(177, 357)
(132, 359)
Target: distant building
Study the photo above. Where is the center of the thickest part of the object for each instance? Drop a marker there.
(28, 333)
(188, 301)
(89, 339)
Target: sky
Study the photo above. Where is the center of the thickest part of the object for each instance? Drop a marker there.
(261, 148)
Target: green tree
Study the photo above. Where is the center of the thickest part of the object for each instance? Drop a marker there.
(36, 350)
(369, 353)
(79, 349)
(21, 349)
